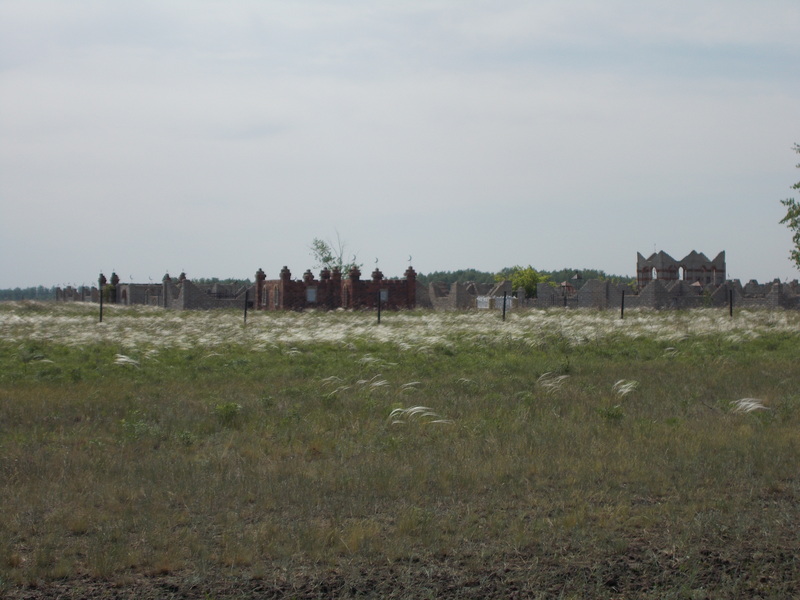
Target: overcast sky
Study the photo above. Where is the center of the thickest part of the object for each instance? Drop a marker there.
(220, 137)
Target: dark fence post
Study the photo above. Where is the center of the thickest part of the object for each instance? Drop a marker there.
(622, 306)
(101, 305)
(504, 305)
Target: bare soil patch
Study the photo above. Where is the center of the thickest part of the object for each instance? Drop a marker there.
(640, 571)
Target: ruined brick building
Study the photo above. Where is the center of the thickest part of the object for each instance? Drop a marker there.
(331, 290)
(181, 294)
(661, 282)
(695, 267)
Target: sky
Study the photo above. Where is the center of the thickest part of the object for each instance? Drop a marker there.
(219, 137)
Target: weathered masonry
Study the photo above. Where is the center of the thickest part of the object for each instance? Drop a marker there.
(662, 282)
(670, 294)
(181, 294)
(331, 290)
(693, 268)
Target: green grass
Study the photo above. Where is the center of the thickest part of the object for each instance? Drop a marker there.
(214, 450)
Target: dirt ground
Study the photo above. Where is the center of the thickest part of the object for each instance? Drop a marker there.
(641, 571)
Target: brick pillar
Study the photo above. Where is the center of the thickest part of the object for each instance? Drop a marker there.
(260, 278)
(166, 281)
(114, 284)
(354, 285)
(336, 288)
(324, 290)
(286, 279)
(411, 287)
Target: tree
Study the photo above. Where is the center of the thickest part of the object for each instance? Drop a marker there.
(792, 218)
(328, 255)
(461, 275)
(522, 277)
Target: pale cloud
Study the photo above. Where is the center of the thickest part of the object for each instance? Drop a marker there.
(493, 133)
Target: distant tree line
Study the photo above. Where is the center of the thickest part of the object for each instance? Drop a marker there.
(554, 277)
(49, 293)
(229, 281)
(461, 276)
(585, 275)
(29, 293)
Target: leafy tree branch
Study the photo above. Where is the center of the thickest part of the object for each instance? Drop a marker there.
(523, 277)
(792, 219)
(330, 255)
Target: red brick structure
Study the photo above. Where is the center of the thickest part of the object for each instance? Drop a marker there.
(333, 291)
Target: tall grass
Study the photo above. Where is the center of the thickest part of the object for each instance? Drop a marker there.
(162, 442)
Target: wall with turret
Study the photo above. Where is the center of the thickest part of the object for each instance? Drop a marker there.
(331, 290)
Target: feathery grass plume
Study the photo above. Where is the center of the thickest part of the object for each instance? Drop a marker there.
(148, 327)
(341, 388)
(410, 386)
(121, 359)
(623, 387)
(552, 382)
(421, 414)
(368, 359)
(368, 381)
(27, 355)
(746, 405)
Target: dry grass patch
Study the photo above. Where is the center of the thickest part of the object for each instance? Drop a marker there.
(321, 441)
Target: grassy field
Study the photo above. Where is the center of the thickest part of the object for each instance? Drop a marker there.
(557, 454)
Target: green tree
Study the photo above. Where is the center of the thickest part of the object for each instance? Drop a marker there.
(328, 255)
(792, 219)
(109, 293)
(232, 281)
(522, 277)
(567, 274)
(461, 275)
(31, 293)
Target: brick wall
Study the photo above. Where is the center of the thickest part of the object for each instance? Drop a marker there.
(331, 290)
